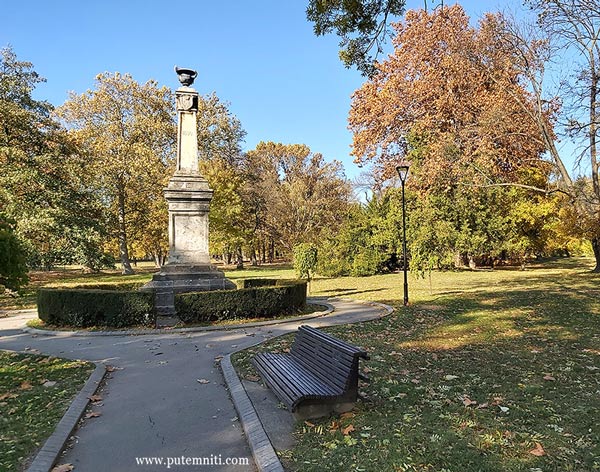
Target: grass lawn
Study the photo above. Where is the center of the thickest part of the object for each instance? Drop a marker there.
(484, 371)
(30, 410)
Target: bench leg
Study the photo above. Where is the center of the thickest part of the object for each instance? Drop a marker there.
(306, 411)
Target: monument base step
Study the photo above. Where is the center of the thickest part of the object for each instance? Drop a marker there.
(167, 321)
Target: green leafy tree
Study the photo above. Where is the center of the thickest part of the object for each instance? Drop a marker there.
(362, 26)
(13, 266)
(305, 260)
(42, 184)
(126, 132)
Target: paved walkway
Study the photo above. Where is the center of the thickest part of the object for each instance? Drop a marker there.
(169, 399)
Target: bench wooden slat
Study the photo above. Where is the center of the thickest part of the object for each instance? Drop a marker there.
(342, 345)
(319, 370)
(331, 374)
(308, 383)
(289, 394)
(305, 382)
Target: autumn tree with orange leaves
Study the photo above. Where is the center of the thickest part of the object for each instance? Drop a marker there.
(436, 91)
(445, 100)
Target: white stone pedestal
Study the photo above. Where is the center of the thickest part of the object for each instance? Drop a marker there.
(188, 268)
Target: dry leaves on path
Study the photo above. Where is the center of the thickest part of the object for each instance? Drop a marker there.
(63, 468)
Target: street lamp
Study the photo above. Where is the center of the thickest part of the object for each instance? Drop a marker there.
(403, 174)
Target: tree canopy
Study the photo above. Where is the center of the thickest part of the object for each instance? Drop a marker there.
(125, 132)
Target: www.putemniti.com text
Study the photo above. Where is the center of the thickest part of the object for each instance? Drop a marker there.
(213, 460)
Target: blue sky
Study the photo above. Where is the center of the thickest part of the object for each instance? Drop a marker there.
(282, 82)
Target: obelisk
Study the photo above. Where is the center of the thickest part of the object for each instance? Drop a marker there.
(188, 267)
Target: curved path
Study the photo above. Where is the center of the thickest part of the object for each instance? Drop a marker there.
(167, 397)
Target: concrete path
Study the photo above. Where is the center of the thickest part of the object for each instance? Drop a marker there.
(166, 400)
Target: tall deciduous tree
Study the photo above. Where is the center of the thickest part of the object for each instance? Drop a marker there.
(295, 194)
(435, 91)
(43, 192)
(127, 131)
(565, 29)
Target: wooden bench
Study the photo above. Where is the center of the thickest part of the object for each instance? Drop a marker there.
(319, 375)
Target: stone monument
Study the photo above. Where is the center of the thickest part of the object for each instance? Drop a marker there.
(188, 267)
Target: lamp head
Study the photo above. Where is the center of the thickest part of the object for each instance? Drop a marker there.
(402, 170)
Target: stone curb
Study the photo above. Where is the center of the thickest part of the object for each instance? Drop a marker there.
(198, 329)
(50, 451)
(264, 454)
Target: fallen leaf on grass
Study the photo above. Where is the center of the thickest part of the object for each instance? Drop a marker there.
(468, 402)
(348, 429)
(6, 396)
(348, 414)
(450, 377)
(252, 378)
(25, 385)
(309, 424)
(93, 414)
(483, 405)
(63, 468)
(538, 450)
(334, 426)
(49, 383)
(203, 381)
(549, 378)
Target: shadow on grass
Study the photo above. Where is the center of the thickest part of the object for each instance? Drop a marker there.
(476, 383)
(344, 292)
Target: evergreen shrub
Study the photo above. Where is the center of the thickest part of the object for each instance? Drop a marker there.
(262, 298)
(80, 308)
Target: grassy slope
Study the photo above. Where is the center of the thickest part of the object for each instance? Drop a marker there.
(29, 411)
(523, 345)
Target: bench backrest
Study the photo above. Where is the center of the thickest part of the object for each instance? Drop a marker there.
(330, 359)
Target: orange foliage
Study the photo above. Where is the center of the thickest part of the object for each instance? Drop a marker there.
(455, 90)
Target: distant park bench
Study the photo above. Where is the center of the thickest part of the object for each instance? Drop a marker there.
(319, 375)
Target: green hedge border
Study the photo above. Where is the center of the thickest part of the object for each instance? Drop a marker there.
(84, 308)
(261, 298)
(93, 305)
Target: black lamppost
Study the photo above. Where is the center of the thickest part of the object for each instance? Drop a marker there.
(403, 174)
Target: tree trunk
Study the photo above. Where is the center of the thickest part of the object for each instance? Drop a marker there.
(123, 251)
(240, 259)
(596, 248)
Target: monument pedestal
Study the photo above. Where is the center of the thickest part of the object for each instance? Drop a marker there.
(188, 268)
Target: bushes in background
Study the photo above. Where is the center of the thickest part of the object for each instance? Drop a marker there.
(86, 308)
(258, 301)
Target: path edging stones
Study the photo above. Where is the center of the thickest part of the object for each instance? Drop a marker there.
(264, 454)
(49, 453)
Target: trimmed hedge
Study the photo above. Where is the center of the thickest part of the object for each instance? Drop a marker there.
(254, 283)
(260, 301)
(116, 286)
(86, 308)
